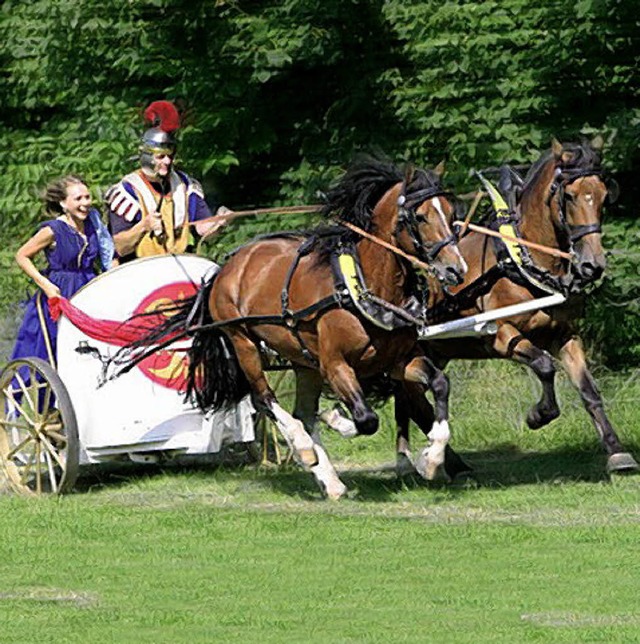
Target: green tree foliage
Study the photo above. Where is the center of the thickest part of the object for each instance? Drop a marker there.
(277, 95)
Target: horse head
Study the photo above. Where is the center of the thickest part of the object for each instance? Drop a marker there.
(409, 209)
(423, 225)
(568, 183)
(577, 197)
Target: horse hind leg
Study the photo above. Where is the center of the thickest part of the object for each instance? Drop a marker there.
(311, 456)
(308, 390)
(420, 373)
(573, 359)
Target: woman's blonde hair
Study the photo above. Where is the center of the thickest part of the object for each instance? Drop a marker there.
(56, 192)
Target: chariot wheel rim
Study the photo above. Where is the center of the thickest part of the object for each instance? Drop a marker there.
(38, 432)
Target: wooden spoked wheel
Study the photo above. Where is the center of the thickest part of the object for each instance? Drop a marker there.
(39, 449)
(273, 451)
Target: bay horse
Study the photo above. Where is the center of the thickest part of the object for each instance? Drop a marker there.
(288, 292)
(560, 205)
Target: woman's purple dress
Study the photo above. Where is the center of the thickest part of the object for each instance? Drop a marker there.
(70, 266)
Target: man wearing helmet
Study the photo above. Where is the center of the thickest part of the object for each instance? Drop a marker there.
(151, 209)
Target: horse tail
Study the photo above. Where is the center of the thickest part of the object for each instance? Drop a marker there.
(215, 378)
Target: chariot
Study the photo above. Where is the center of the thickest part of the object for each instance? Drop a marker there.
(57, 419)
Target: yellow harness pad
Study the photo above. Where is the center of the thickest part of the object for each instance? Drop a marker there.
(515, 251)
(349, 271)
(502, 212)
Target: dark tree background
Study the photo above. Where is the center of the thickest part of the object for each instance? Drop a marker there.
(278, 95)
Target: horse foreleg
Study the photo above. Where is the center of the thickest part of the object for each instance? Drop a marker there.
(402, 415)
(411, 404)
(509, 343)
(575, 364)
(344, 383)
(308, 390)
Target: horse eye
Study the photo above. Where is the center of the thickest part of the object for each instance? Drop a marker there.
(569, 197)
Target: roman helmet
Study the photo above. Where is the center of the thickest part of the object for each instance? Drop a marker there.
(164, 120)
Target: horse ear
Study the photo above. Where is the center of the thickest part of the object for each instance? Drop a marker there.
(613, 190)
(559, 153)
(597, 143)
(439, 169)
(409, 170)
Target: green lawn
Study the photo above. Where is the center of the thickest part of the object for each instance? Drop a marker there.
(539, 546)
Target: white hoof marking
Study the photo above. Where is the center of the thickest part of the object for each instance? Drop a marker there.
(327, 477)
(432, 456)
(336, 421)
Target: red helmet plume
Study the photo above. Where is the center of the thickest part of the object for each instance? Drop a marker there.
(163, 115)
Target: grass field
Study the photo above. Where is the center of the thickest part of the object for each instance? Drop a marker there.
(538, 546)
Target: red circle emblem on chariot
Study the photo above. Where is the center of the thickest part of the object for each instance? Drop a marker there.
(167, 367)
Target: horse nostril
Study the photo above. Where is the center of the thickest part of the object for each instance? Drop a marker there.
(590, 271)
(453, 276)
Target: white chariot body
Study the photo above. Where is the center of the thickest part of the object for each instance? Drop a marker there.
(140, 416)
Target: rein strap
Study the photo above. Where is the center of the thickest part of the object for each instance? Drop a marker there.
(517, 240)
(394, 249)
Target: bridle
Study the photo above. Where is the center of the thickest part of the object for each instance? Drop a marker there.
(409, 220)
(563, 178)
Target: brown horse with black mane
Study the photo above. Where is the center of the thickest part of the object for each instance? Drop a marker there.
(560, 206)
(329, 301)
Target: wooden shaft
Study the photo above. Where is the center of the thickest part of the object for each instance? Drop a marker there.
(472, 211)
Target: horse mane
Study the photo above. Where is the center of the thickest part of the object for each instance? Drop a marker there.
(354, 197)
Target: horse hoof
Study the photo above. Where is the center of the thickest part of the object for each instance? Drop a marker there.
(307, 457)
(536, 419)
(335, 491)
(622, 463)
(454, 465)
(404, 465)
(426, 465)
(366, 422)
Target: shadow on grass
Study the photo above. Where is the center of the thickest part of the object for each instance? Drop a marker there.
(498, 467)
(113, 474)
(506, 465)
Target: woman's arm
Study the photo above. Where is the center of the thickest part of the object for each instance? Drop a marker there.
(41, 240)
